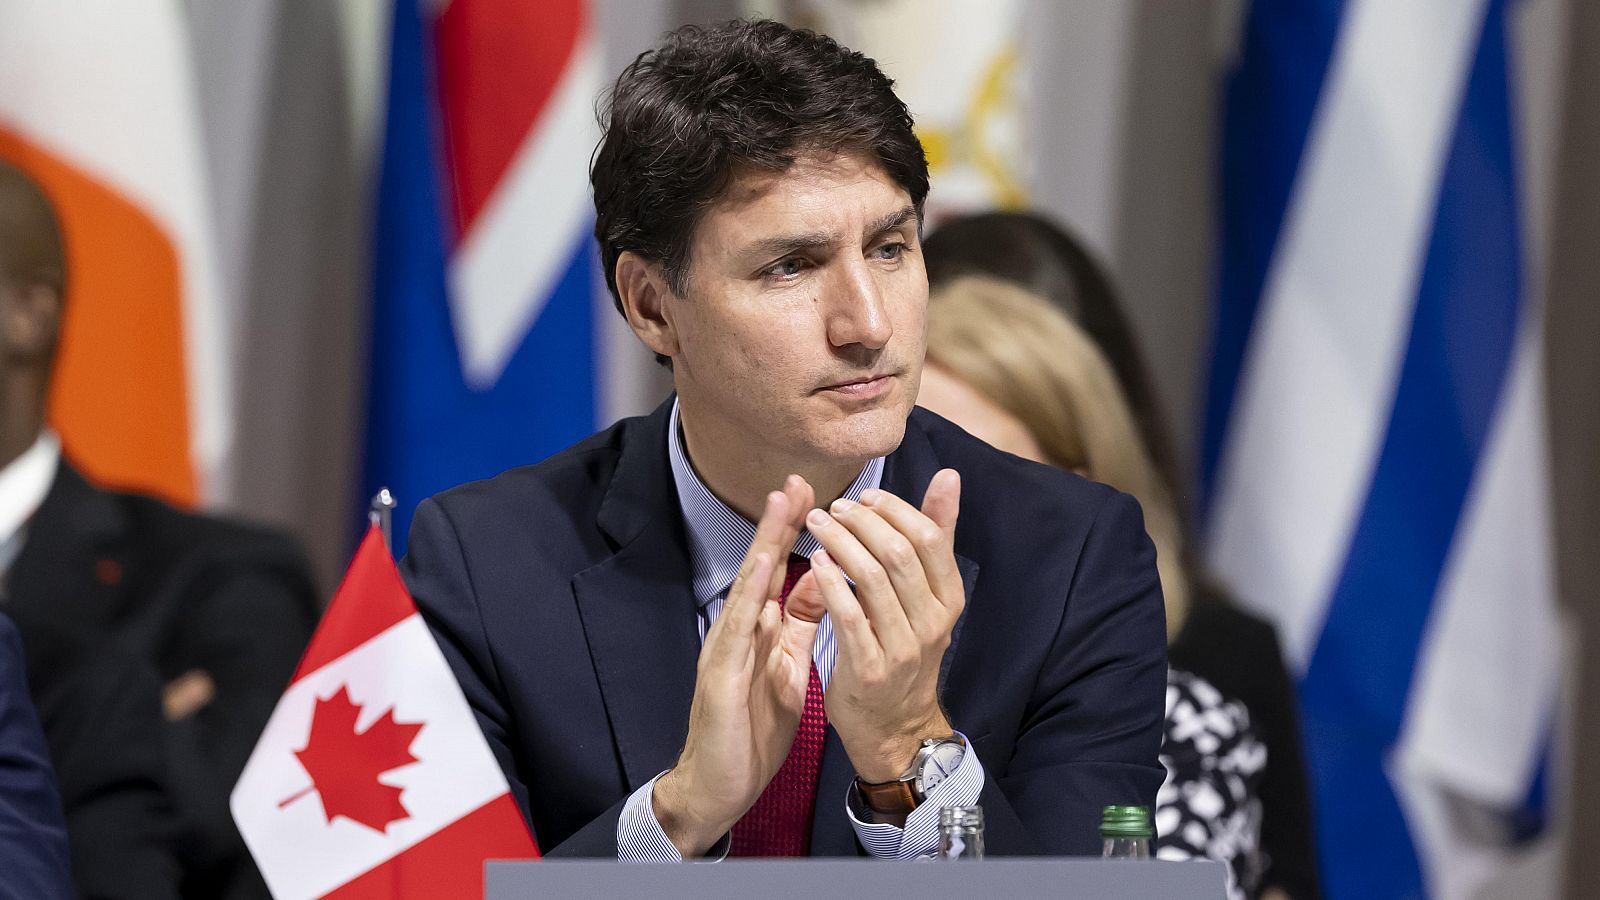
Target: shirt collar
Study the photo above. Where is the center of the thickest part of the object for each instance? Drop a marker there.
(24, 482)
(720, 537)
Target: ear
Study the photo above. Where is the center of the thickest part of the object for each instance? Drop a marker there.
(30, 318)
(645, 300)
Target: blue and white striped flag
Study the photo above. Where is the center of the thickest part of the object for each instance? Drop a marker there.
(1374, 456)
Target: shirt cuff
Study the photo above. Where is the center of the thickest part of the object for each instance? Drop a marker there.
(641, 839)
(920, 837)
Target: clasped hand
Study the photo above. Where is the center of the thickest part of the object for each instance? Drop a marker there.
(891, 631)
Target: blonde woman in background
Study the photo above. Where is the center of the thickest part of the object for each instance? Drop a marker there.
(1229, 647)
(1017, 373)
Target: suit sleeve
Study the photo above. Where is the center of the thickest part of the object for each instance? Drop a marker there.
(120, 822)
(436, 573)
(1092, 734)
(246, 628)
(33, 833)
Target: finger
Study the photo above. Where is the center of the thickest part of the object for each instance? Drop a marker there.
(769, 643)
(187, 694)
(802, 614)
(790, 530)
(933, 543)
(771, 526)
(873, 588)
(942, 502)
(805, 600)
(767, 627)
(730, 641)
(800, 497)
(742, 605)
(768, 539)
(898, 556)
(851, 629)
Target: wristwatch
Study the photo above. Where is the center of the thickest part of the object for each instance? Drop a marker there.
(935, 760)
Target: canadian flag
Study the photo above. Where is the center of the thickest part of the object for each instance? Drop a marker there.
(372, 778)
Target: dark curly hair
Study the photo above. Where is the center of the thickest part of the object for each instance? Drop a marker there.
(685, 118)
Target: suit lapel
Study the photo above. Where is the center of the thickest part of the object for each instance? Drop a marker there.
(74, 560)
(638, 610)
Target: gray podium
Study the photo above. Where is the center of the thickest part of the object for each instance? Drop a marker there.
(841, 879)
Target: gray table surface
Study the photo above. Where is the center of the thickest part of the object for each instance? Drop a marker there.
(835, 879)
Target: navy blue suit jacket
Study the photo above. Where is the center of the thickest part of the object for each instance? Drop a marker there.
(33, 833)
(560, 593)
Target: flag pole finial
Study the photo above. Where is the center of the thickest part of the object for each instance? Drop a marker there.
(381, 514)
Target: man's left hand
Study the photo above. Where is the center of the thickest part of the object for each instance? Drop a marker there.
(893, 628)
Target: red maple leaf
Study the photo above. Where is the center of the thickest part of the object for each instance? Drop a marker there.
(344, 764)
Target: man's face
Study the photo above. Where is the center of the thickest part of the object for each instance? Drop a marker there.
(804, 322)
(19, 322)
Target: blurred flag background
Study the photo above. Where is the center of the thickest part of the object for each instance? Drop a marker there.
(319, 248)
(483, 333)
(958, 66)
(98, 104)
(1375, 442)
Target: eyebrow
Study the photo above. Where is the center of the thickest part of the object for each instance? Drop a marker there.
(786, 244)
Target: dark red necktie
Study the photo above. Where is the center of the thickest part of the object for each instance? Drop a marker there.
(780, 822)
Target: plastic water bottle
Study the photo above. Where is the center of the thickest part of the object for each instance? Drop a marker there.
(1126, 832)
(961, 832)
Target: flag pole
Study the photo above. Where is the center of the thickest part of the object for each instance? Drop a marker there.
(381, 514)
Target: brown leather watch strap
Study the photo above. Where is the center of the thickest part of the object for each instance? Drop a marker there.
(889, 798)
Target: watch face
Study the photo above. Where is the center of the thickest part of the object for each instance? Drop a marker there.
(942, 759)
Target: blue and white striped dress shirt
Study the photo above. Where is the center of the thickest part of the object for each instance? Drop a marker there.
(718, 540)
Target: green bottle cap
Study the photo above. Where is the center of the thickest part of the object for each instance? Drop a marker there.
(1126, 822)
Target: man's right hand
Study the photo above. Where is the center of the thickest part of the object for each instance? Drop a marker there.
(750, 688)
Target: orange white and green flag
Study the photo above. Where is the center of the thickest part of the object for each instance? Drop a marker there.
(97, 103)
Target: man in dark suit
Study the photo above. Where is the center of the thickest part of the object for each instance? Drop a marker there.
(101, 709)
(33, 835)
(112, 591)
(673, 650)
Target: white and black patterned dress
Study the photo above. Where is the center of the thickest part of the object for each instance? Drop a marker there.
(1209, 807)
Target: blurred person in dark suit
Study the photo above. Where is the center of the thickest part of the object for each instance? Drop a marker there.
(218, 611)
(100, 706)
(1233, 650)
(33, 834)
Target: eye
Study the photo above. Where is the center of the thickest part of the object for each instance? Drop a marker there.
(890, 251)
(786, 269)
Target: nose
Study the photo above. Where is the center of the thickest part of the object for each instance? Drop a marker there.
(854, 309)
